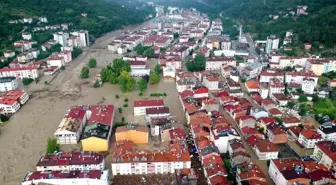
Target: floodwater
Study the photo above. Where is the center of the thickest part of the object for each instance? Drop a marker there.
(23, 138)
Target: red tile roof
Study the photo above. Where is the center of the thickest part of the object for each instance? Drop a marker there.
(266, 146)
(74, 174)
(311, 134)
(149, 103)
(70, 158)
(157, 110)
(103, 114)
(329, 148)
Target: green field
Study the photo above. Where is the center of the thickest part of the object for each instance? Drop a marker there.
(325, 106)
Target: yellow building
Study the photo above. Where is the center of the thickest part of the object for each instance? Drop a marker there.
(139, 134)
(96, 138)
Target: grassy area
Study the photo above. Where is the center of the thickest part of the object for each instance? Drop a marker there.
(325, 106)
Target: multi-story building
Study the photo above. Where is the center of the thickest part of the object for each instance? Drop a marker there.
(325, 153)
(21, 72)
(83, 37)
(248, 173)
(266, 150)
(97, 132)
(298, 77)
(308, 138)
(12, 101)
(91, 177)
(266, 76)
(221, 137)
(158, 112)
(211, 82)
(320, 66)
(308, 85)
(276, 134)
(295, 171)
(61, 38)
(71, 161)
(71, 126)
(134, 133)
(8, 84)
(217, 62)
(276, 86)
(272, 43)
(327, 131)
(140, 106)
(185, 176)
(286, 61)
(55, 60)
(125, 160)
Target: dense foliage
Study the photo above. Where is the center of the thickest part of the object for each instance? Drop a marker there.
(92, 63)
(319, 25)
(154, 78)
(85, 72)
(197, 65)
(102, 16)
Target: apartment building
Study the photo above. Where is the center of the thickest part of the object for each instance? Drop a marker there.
(71, 126)
(327, 131)
(308, 138)
(12, 101)
(8, 84)
(266, 150)
(71, 161)
(21, 72)
(325, 153)
(140, 106)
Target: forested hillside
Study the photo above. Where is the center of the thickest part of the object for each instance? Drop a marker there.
(102, 16)
(256, 15)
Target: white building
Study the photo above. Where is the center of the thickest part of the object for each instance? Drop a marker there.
(226, 45)
(141, 106)
(308, 86)
(61, 38)
(67, 56)
(55, 61)
(150, 163)
(263, 90)
(43, 19)
(222, 137)
(292, 61)
(9, 54)
(8, 84)
(324, 152)
(92, 177)
(211, 83)
(266, 76)
(266, 150)
(71, 126)
(83, 36)
(122, 49)
(272, 43)
(327, 131)
(169, 72)
(158, 112)
(11, 102)
(82, 160)
(26, 36)
(308, 138)
(217, 63)
(20, 72)
(298, 77)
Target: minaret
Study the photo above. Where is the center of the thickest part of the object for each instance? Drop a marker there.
(240, 32)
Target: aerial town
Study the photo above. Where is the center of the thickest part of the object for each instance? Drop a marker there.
(219, 113)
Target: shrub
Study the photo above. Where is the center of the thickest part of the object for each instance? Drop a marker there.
(46, 82)
(4, 118)
(164, 94)
(123, 119)
(37, 80)
(120, 110)
(126, 100)
(140, 93)
(117, 96)
(125, 105)
(62, 68)
(52, 146)
(27, 81)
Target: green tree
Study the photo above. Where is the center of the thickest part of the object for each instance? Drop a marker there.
(84, 72)
(154, 78)
(37, 80)
(62, 67)
(190, 66)
(96, 84)
(157, 69)
(27, 81)
(92, 63)
(142, 85)
(323, 81)
(199, 62)
(149, 53)
(76, 52)
(176, 35)
(316, 98)
(303, 99)
(290, 104)
(117, 96)
(120, 110)
(52, 146)
(4, 118)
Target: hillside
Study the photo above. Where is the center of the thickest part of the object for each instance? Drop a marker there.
(318, 25)
(102, 16)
